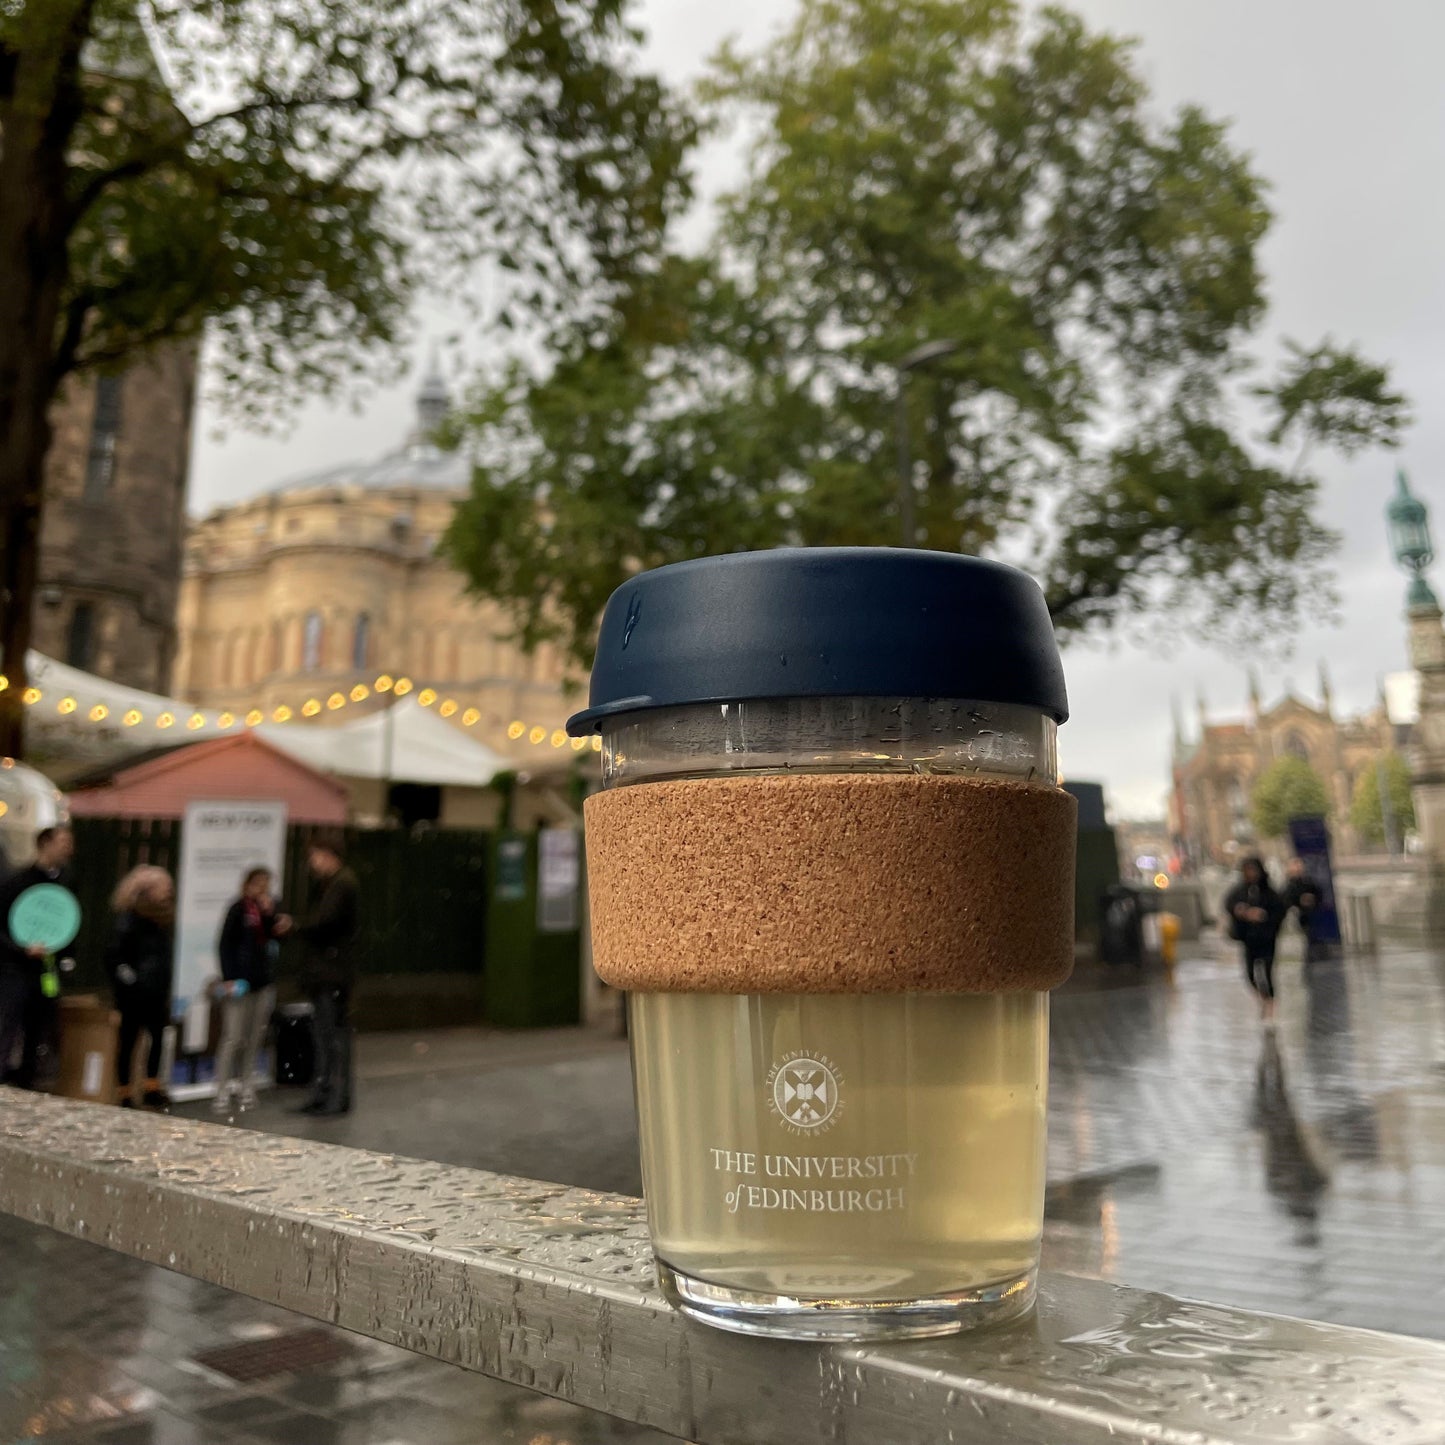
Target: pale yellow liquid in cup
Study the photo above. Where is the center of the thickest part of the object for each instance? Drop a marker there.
(878, 1147)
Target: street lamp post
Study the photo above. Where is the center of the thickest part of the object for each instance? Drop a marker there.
(919, 356)
(1409, 528)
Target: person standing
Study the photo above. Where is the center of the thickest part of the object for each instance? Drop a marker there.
(22, 968)
(1255, 912)
(328, 970)
(139, 962)
(245, 948)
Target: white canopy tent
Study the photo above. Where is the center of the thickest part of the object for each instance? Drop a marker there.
(406, 743)
(85, 719)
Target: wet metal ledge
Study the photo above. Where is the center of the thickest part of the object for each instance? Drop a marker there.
(552, 1288)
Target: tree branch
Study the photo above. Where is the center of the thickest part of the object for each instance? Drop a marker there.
(72, 332)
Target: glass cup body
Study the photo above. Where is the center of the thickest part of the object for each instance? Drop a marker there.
(841, 1166)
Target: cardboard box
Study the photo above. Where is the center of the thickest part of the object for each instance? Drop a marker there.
(89, 1036)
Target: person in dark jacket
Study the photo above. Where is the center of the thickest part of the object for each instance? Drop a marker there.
(1254, 912)
(328, 970)
(1302, 894)
(248, 993)
(22, 969)
(139, 962)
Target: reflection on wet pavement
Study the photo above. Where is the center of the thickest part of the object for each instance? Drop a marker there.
(1301, 1172)
(1298, 1171)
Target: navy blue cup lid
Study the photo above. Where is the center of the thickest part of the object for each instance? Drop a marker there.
(824, 622)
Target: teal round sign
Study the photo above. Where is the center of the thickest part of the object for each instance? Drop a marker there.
(45, 916)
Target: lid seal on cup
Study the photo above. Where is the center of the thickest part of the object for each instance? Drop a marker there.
(824, 622)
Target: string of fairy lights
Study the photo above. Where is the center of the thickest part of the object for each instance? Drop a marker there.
(164, 719)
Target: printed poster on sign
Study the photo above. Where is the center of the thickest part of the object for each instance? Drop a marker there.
(219, 842)
(559, 873)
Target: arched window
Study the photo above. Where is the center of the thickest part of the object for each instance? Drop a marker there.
(1235, 792)
(1296, 747)
(361, 643)
(104, 431)
(311, 637)
(80, 640)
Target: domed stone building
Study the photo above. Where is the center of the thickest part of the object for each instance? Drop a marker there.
(333, 579)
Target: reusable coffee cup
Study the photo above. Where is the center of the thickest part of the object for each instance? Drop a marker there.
(832, 866)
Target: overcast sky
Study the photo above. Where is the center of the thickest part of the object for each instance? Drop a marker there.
(1341, 106)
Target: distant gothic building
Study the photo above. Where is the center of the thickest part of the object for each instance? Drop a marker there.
(333, 579)
(113, 532)
(1214, 775)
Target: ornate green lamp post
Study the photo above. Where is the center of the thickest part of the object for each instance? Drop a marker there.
(1410, 542)
(1409, 527)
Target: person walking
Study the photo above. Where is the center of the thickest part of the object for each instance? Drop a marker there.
(1255, 912)
(328, 971)
(139, 962)
(1302, 894)
(22, 968)
(245, 948)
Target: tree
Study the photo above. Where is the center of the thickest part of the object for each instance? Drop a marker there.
(1365, 811)
(939, 169)
(302, 170)
(1288, 788)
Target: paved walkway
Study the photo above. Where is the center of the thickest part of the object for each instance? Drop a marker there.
(1189, 1151)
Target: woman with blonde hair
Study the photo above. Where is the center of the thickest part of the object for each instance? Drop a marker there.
(138, 961)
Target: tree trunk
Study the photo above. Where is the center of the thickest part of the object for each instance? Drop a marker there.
(39, 108)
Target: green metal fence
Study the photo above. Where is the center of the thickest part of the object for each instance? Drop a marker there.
(423, 895)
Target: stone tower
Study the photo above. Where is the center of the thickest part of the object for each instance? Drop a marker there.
(113, 538)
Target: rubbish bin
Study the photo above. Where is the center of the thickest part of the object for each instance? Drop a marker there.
(295, 1045)
(1359, 921)
(1122, 911)
(89, 1035)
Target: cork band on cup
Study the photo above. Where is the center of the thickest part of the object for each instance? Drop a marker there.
(832, 883)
